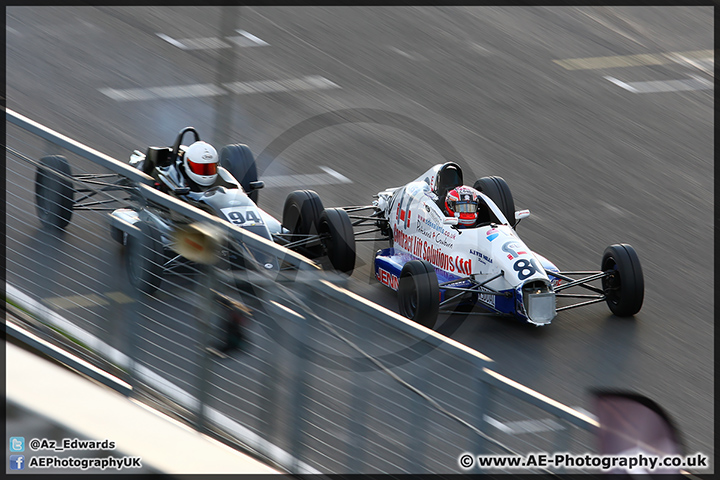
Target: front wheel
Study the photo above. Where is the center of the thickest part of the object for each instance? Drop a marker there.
(301, 215)
(54, 194)
(336, 232)
(144, 258)
(625, 287)
(419, 293)
(239, 161)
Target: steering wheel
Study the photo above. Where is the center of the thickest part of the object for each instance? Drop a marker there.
(178, 141)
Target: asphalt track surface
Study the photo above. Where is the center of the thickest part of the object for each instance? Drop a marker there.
(595, 162)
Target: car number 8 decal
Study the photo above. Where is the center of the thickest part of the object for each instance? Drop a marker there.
(525, 268)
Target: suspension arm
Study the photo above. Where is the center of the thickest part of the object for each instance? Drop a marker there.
(581, 304)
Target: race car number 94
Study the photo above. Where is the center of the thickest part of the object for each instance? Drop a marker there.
(242, 216)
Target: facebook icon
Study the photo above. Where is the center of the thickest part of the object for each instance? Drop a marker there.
(17, 462)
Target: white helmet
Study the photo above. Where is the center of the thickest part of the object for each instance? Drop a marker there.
(200, 161)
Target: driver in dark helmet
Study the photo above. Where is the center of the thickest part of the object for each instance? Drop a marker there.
(462, 202)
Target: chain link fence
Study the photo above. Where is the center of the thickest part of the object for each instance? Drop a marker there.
(270, 354)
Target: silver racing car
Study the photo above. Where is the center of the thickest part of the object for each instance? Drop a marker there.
(307, 227)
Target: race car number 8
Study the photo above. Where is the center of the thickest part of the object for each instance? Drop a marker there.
(525, 268)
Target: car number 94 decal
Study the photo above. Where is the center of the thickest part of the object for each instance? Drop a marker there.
(243, 216)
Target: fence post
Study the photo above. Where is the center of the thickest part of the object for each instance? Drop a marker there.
(562, 441)
(132, 326)
(484, 397)
(269, 388)
(298, 384)
(355, 456)
(415, 448)
(206, 320)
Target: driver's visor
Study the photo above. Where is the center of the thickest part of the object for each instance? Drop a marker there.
(466, 207)
(204, 169)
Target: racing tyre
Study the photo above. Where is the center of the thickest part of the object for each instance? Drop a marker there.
(335, 225)
(301, 215)
(144, 258)
(419, 293)
(626, 288)
(497, 189)
(54, 194)
(239, 161)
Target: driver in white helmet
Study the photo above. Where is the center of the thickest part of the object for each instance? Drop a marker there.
(199, 166)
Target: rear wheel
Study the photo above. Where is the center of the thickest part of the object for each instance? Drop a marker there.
(419, 293)
(625, 287)
(240, 162)
(54, 194)
(339, 242)
(499, 192)
(301, 215)
(144, 258)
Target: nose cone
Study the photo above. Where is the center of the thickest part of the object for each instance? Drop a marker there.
(538, 301)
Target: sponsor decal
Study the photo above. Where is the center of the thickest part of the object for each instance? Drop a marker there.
(444, 241)
(406, 242)
(513, 249)
(487, 299)
(400, 196)
(387, 278)
(438, 258)
(425, 250)
(481, 256)
(433, 215)
(423, 230)
(435, 225)
(463, 265)
(435, 232)
(402, 213)
(492, 234)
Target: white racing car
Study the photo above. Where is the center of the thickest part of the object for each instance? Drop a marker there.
(437, 265)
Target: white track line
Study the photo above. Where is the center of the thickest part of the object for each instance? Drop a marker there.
(171, 41)
(663, 86)
(621, 84)
(257, 41)
(246, 39)
(330, 178)
(525, 426)
(312, 82)
(205, 43)
(333, 173)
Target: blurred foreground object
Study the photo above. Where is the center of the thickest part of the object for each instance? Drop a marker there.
(631, 424)
(233, 315)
